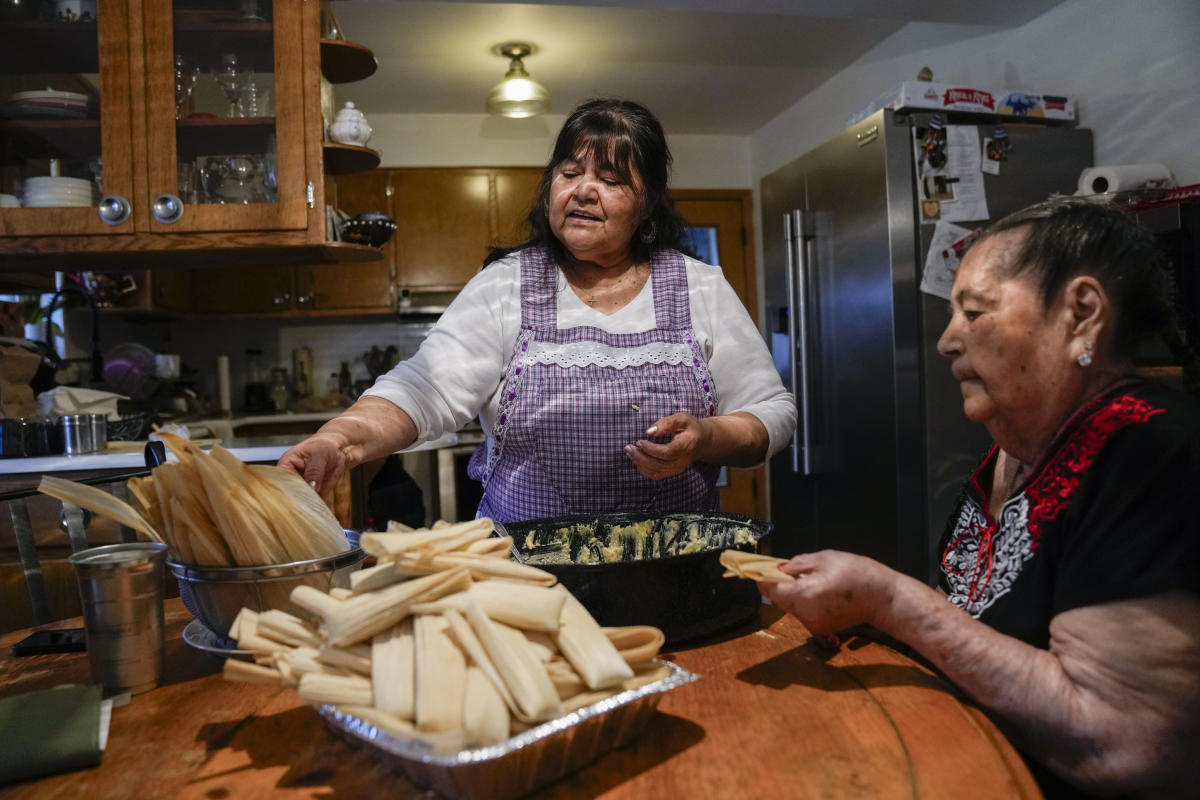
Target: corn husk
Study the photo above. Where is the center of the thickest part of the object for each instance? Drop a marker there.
(99, 502)
(245, 672)
(362, 616)
(753, 566)
(485, 715)
(526, 678)
(439, 540)
(356, 658)
(213, 510)
(288, 629)
(584, 644)
(441, 669)
(527, 606)
(354, 690)
(393, 670)
(637, 644)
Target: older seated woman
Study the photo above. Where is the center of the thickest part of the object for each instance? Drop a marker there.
(1072, 566)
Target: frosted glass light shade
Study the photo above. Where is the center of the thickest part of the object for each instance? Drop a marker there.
(517, 95)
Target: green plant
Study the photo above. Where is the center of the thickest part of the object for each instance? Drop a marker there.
(35, 314)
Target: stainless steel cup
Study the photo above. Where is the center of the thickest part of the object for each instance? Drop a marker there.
(121, 586)
(99, 425)
(84, 433)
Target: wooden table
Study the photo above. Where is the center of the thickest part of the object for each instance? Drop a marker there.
(774, 714)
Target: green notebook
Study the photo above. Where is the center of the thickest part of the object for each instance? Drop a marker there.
(51, 730)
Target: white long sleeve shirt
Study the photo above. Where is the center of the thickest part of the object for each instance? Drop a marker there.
(456, 373)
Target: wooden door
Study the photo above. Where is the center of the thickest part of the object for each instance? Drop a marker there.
(170, 289)
(727, 215)
(243, 290)
(515, 192)
(89, 60)
(238, 159)
(443, 226)
(361, 287)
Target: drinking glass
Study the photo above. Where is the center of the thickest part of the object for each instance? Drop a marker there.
(185, 83)
(233, 79)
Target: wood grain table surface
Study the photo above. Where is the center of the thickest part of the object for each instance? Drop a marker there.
(774, 714)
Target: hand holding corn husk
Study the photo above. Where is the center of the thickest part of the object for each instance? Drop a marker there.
(212, 510)
(752, 566)
(446, 640)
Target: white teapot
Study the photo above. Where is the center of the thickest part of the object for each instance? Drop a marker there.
(350, 127)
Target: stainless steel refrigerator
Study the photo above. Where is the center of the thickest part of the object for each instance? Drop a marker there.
(882, 446)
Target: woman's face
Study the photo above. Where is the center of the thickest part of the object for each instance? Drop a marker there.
(1010, 355)
(594, 211)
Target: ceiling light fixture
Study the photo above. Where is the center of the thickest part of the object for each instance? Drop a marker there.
(517, 95)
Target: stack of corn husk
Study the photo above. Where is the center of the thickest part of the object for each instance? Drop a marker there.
(446, 640)
(213, 510)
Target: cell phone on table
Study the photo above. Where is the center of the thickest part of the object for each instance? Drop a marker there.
(66, 640)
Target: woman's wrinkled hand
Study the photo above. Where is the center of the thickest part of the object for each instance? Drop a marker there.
(319, 459)
(662, 460)
(833, 590)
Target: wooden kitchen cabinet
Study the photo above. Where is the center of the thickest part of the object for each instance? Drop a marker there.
(446, 218)
(242, 291)
(234, 183)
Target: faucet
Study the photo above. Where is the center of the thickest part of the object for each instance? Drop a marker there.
(96, 359)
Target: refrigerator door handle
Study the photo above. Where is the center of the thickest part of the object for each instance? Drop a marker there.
(790, 275)
(803, 226)
(798, 226)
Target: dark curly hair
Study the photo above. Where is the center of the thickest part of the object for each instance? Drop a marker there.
(1069, 236)
(627, 139)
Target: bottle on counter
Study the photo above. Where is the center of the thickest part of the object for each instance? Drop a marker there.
(257, 398)
(345, 382)
(279, 390)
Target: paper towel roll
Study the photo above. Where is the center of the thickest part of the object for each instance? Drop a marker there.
(1123, 178)
(224, 396)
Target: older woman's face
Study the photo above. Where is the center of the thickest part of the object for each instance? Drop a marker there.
(593, 211)
(1009, 355)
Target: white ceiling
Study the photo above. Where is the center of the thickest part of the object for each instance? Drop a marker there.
(703, 66)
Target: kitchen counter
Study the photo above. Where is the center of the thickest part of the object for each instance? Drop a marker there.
(253, 449)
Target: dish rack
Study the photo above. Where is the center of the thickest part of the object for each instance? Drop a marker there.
(130, 428)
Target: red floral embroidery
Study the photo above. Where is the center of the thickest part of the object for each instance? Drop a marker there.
(1050, 492)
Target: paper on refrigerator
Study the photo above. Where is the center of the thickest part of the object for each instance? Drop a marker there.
(946, 248)
(954, 192)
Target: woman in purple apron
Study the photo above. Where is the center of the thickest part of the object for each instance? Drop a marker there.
(610, 371)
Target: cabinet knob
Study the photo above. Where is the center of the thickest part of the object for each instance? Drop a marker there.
(281, 298)
(113, 209)
(305, 299)
(167, 208)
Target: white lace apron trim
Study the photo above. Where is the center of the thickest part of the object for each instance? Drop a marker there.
(585, 354)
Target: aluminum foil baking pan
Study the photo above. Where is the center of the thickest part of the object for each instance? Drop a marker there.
(524, 762)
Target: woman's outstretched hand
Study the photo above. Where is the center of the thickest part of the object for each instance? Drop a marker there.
(658, 460)
(318, 459)
(833, 590)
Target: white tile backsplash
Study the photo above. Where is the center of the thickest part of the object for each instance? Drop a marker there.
(199, 342)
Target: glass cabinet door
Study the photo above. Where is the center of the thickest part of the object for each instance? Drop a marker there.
(65, 150)
(225, 115)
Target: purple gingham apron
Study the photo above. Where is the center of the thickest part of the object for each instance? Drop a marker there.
(572, 399)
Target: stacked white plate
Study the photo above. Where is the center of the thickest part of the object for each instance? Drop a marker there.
(48, 104)
(53, 191)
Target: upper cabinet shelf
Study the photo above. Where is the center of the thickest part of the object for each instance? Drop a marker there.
(343, 62)
(344, 159)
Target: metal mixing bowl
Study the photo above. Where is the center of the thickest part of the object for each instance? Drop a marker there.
(215, 595)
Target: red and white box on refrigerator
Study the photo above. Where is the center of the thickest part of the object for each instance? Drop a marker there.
(1009, 104)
